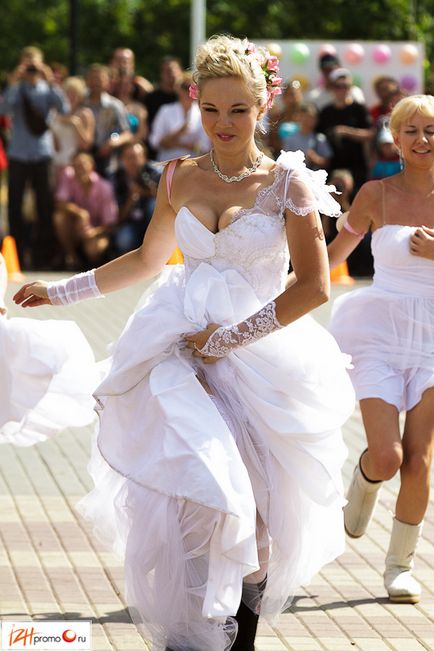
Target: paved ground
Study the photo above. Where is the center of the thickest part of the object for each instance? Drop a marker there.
(51, 568)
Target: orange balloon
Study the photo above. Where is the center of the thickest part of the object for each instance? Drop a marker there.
(408, 54)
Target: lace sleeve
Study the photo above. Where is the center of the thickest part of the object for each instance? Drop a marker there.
(306, 190)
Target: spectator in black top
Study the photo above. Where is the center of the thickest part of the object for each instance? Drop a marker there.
(348, 127)
(135, 184)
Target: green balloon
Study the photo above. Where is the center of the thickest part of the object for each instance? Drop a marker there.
(299, 53)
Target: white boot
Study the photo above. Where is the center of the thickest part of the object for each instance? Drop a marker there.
(398, 580)
(362, 497)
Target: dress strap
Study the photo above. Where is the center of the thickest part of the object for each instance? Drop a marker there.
(383, 202)
(169, 178)
(171, 166)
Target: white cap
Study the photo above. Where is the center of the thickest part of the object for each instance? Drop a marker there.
(339, 72)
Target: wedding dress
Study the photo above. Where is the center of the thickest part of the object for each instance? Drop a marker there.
(47, 376)
(204, 473)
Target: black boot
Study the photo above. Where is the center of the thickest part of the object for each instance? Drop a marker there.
(248, 622)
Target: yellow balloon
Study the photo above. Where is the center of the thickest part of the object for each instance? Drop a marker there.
(274, 49)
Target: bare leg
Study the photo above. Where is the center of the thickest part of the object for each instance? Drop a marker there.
(65, 226)
(95, 247)
(384, 455)
(418, 442)
(379, 462)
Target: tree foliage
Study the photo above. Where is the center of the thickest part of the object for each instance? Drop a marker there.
(154, 28)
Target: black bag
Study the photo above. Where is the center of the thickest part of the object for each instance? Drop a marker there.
(35, 120)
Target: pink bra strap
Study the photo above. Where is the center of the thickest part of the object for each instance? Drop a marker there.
(351, 230)
(169, 177)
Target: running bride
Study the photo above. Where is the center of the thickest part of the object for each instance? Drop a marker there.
(218, 462)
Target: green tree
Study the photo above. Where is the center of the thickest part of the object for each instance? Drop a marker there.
(154, 28)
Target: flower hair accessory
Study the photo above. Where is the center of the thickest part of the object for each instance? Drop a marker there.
(270, 67)
(192, 91)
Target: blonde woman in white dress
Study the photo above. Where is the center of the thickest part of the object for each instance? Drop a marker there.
(217, 467)
(388, 329)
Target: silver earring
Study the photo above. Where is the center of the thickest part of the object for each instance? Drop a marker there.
(401, 160)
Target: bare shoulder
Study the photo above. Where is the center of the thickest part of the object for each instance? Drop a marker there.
(366, 209)
(370, 192)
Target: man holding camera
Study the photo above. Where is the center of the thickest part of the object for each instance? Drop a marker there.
(29, 100)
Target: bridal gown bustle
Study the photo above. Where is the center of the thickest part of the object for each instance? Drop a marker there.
(47, 376)
(388, 328)
(188, 486)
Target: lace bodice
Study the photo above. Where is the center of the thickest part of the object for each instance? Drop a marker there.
(255, 242)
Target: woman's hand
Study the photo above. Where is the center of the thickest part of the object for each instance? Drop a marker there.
(33, 294)
(422, 242)
(197, 340)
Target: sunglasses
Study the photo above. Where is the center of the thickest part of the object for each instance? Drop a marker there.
(342, 86)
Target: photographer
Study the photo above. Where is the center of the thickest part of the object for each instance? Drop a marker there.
(29, 99)
(135, 184)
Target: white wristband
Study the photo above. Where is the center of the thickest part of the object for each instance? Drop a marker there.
(72, 290)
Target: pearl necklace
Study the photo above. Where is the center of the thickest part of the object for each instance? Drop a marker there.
(235, 179)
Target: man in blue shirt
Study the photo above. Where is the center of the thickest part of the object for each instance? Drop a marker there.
(29, 99)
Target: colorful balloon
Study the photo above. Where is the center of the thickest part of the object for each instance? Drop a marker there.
(300, 53)
(409, 83)
(274, 49)
(408, 54)
(354, 53)
(381, 53)
(327, 48)
(357, 81)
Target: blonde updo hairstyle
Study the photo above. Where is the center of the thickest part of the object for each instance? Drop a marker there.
(225, 56)
(407, 107)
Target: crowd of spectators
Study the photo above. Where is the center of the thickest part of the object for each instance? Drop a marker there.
(90, 148)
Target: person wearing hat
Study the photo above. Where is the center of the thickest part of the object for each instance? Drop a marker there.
(323, 95)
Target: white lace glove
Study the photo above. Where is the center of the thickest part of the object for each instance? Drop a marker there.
(74, 289)
(226, 338)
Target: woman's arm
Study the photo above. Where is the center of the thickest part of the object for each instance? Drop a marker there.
(142, 263)
(310, 288)
(361, 216)
(84, 125)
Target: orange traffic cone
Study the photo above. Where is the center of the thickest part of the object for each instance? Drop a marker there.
(176, 257)
(340, 275)
(10, 254)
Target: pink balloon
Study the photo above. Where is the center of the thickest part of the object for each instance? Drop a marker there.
(327, 48)
(408, 54)
(354, 53)
(408, 83)
(381, 53)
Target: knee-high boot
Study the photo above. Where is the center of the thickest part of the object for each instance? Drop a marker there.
(401, 586)
(362, 497)
(248, 619)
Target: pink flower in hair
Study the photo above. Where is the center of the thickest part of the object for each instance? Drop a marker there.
(273, 64)
(192, 91)
(251, 48)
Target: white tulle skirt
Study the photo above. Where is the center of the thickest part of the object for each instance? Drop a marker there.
(199, 491)
(47, 375)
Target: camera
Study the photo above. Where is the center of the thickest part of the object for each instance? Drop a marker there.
(31, 68)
